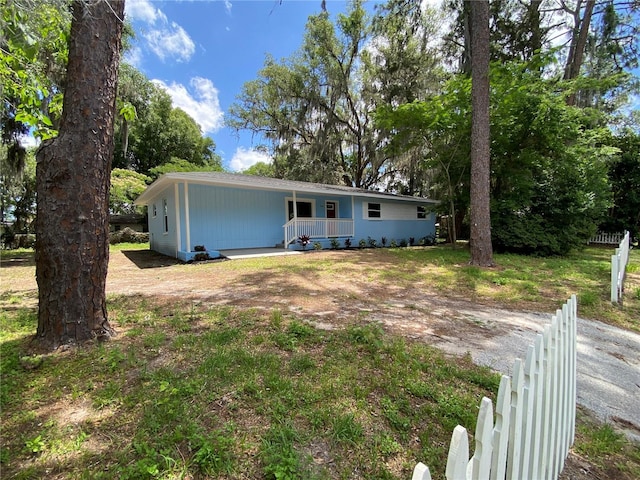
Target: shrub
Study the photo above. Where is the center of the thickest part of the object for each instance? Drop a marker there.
(347, 243)
(335, 244)
(127, 235)
(372, 242)
(317, 246)
(304, 240)
(362, 243)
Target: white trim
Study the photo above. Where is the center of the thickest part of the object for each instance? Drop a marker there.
(165, 216)
(187, 223)
(394, 211)
(365, 211)
(295, 206)
(176, 193)
(336, 210)
(263, 183)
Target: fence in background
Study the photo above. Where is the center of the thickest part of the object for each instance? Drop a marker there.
(535, 414)
(619, 267)
(607, 238)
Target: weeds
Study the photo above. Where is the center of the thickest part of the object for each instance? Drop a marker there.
(176, 404)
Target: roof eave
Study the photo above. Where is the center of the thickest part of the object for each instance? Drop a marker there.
(169, 178)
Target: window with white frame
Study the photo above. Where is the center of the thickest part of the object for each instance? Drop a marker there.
(165, 213)
(422, 212)
(374, 210)
(154, 210)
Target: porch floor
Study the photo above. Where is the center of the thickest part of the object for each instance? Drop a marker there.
(257, 252)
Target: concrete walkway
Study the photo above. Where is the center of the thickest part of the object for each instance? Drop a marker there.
(608, 377)
(257, 252)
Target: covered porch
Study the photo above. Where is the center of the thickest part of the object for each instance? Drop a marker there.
(317, 228)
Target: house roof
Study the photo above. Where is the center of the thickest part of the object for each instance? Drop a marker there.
(261, 183)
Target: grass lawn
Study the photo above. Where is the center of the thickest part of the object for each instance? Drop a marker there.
(193, 390)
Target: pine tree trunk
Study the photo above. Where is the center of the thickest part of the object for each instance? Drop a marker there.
(578, 44)
(73, 176)
(480, 238)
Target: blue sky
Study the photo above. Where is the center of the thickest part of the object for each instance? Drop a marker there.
(202, 52)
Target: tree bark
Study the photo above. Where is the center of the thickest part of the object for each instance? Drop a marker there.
(480, 216)
(73, 176)
(578, 43)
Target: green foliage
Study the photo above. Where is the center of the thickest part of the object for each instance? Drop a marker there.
(18, 190)
(32, 64)
(180, 165)
(126, 186)
(549, 184)
(624, 176)
(159, 134)
(260, 169)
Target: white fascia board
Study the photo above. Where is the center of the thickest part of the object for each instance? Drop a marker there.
(270, 184)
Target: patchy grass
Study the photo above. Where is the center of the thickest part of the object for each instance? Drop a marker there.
(188, 391)
(606, 449)
(193, 391)
(528, 283)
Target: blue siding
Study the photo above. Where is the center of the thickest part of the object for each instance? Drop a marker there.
(391, 229)
(228, 218)
(160, 241)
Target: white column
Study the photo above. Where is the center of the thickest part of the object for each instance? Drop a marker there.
(295, 213)
(186, 216)
(176, 193)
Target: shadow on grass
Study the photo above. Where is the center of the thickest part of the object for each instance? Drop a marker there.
(149, 259)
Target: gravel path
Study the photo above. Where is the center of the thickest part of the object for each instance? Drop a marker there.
(608, 377)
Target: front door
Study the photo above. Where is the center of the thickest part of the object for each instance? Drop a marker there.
(332, 213)
(331, 208)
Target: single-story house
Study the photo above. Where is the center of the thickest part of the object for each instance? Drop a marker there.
(220, 211)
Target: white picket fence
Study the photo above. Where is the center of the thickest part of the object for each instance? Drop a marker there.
(535, 414)
(619, 267)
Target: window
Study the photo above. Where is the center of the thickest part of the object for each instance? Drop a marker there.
(422, 212)
(165, 213)
(304, 209)
(373, 210)
(154, 210)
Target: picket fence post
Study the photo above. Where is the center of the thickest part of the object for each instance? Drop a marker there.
(534, 425)
(618, 268)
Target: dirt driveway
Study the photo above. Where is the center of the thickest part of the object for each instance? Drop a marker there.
(320, 290)
(323, 289)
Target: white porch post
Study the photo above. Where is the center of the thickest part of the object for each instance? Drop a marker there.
(295, 213)
(186, 215)
(176, 192)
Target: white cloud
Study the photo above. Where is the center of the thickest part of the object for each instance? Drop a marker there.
(170, 41)
(144, 11)
(200, 102)
(167, 40)
(244, 158)
(227, 6)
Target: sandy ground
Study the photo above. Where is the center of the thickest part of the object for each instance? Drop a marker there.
(608, 358)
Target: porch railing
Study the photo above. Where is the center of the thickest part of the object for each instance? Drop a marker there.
(317, 228)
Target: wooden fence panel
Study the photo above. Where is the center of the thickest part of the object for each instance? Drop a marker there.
(534, 418)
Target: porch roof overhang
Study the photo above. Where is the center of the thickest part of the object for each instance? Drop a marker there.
(263, 183)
